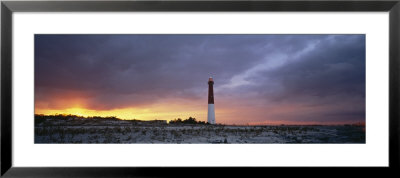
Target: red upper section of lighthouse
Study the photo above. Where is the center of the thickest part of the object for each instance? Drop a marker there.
(210, 91)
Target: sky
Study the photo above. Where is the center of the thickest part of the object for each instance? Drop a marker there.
(258, 79)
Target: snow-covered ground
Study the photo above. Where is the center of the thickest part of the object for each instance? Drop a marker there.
(79, 131)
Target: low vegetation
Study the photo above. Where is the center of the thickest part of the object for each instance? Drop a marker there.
(77, 129)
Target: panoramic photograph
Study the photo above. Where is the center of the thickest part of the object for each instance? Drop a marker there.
(199, 89)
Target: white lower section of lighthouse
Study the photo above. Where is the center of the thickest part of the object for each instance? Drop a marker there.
(211, 114)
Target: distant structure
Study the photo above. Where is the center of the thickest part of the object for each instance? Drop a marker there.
(211, 109)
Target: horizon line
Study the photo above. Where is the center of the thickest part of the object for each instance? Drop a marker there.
(357, 123)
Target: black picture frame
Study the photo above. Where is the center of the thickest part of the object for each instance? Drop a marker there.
(8, 7)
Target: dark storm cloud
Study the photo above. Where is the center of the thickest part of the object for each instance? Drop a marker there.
(331, 75)
(108, 66)
(335, 66)
(115, 71)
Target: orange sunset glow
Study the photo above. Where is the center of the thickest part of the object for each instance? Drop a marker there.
(158, 111)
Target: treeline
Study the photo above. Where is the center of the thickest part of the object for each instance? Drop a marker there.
(190, 120)
(71, 116)
(41, 118)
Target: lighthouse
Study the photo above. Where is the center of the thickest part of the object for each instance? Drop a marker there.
(211, 109)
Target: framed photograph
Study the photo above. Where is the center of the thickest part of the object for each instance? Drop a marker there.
(103, 88)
